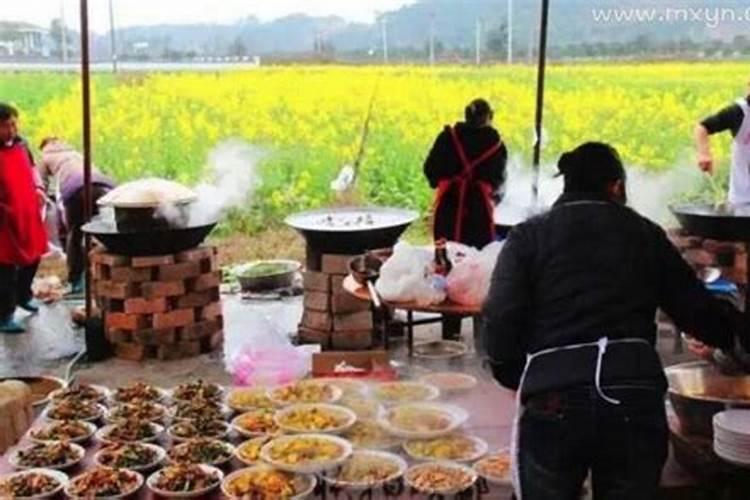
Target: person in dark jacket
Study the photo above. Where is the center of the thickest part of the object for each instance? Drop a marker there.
(569, 323)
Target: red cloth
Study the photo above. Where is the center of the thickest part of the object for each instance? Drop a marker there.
(23, 239)
(464, 182)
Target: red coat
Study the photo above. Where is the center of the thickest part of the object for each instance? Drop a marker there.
(23, 239)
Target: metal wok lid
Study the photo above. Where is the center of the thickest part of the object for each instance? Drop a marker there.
(719, 222)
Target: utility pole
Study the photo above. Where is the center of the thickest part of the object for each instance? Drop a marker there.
(510, 31)
(384, 26)
(113, 38)
(478, 42)
(64, 34)
(432, 39)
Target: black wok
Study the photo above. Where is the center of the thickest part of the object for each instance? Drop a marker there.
(145, 243)
(718, 222)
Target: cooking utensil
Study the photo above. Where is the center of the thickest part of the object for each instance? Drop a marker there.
(365, 270)
(274, 281)
(723, 222)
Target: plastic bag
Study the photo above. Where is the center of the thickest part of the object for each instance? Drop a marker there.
(469, 282)
(408, 277)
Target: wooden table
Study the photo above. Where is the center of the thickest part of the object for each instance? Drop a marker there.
(444, 308)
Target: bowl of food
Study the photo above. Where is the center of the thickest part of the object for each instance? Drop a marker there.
(143, 410)
(496, 468)
(256, 423)
(366, 469)
(450, 382)
(249, 452)
(73, 409)
(267, 275)
(185, 481)
(393, 393)
(440, 349)
(133, 431)
(200, 409)
(140, 457)
(202, 451)
(365, 408)
(139, 391)
(33, 484)
(423, 420)
(306, 453)
(457, 448)
(440, 478)
(75, 431)
(305, 391)
(368, 434)
(104, 483)
(58, 455)
(243, 399)
(265, 483)
(85, 392)
(192, 429)
(350, 387)
(198, 389)
(316, 417)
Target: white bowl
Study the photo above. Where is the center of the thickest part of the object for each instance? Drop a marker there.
(91, 430)
(102, 434)
(245, 408)
(111, 418)
(224, 412)
(251, 463)
(396, 460)
(430, 392)
(349, 386)
(445, 491)
(58, 476)
(480, 449)
(161, 454)
(139, 483)
(311, 467)
(246, 433)
(13, 459)
(227, 447)
(177, 439)
(220, 397)
(348, 418)
(162, 398)
(153, 478)
(458, 417)
(465, 382)
(388, 442)
(102, 390)
(305, 482)
(336, 393)
(492, 479)
(100, 413)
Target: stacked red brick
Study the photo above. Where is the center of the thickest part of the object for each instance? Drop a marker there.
(165, 307)
(700, 253)
(334, 318)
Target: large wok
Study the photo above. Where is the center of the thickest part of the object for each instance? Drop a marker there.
(158, 241)
(723, 222)
(369, 228)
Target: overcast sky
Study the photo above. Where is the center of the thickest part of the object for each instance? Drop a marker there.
(138, 12)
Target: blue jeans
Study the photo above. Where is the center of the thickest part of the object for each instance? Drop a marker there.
(564, 436)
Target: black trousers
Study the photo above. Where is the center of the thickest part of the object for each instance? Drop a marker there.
(564, 436)
(75, 217)
(15, 287)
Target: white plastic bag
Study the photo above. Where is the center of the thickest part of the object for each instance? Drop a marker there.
(408, 277)
(469, 282)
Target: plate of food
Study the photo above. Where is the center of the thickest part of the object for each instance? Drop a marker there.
(440, 349)
(366, 408)
(198, 389)
(82, 392)
(140, 457)
(32, 484)
(440, 478)
(132, 431)
(448, 382)
(243, 399)
(142, 410)
(200, 409)
(368, 434)
(185, 481)
(202, 451)
(75, 431)
(75, 409)
(57, 455)
(262, 482)
(307, 418)
(256, 423)
(305, 391)
(496, 468)
(104, 483)
(393, 393)
(192, 429)
(350, 387)
(455, 448)
(139, 391)
(306, 453)
(423, 420)
(249, 452)
(366, 469)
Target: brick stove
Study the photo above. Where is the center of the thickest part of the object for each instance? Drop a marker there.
(163, 307)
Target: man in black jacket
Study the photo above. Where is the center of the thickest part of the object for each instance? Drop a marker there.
(570, 324)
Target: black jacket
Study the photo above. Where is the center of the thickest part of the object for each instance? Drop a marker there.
(443, 163)
(586, 269)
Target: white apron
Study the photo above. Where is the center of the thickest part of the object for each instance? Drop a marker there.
(739, 182)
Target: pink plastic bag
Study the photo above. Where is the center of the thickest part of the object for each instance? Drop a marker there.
(469, 282)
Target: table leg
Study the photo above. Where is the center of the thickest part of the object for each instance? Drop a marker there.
(410, 331)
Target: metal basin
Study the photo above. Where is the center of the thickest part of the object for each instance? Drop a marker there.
(698, 391)
(719, 222)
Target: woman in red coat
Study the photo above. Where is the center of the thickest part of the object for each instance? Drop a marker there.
(23, 239)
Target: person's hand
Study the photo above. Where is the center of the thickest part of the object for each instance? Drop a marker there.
(700, 349)
(706, 162)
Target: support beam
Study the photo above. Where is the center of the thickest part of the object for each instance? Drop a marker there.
(539, 119)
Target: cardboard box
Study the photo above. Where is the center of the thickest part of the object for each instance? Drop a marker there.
(324, 363)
